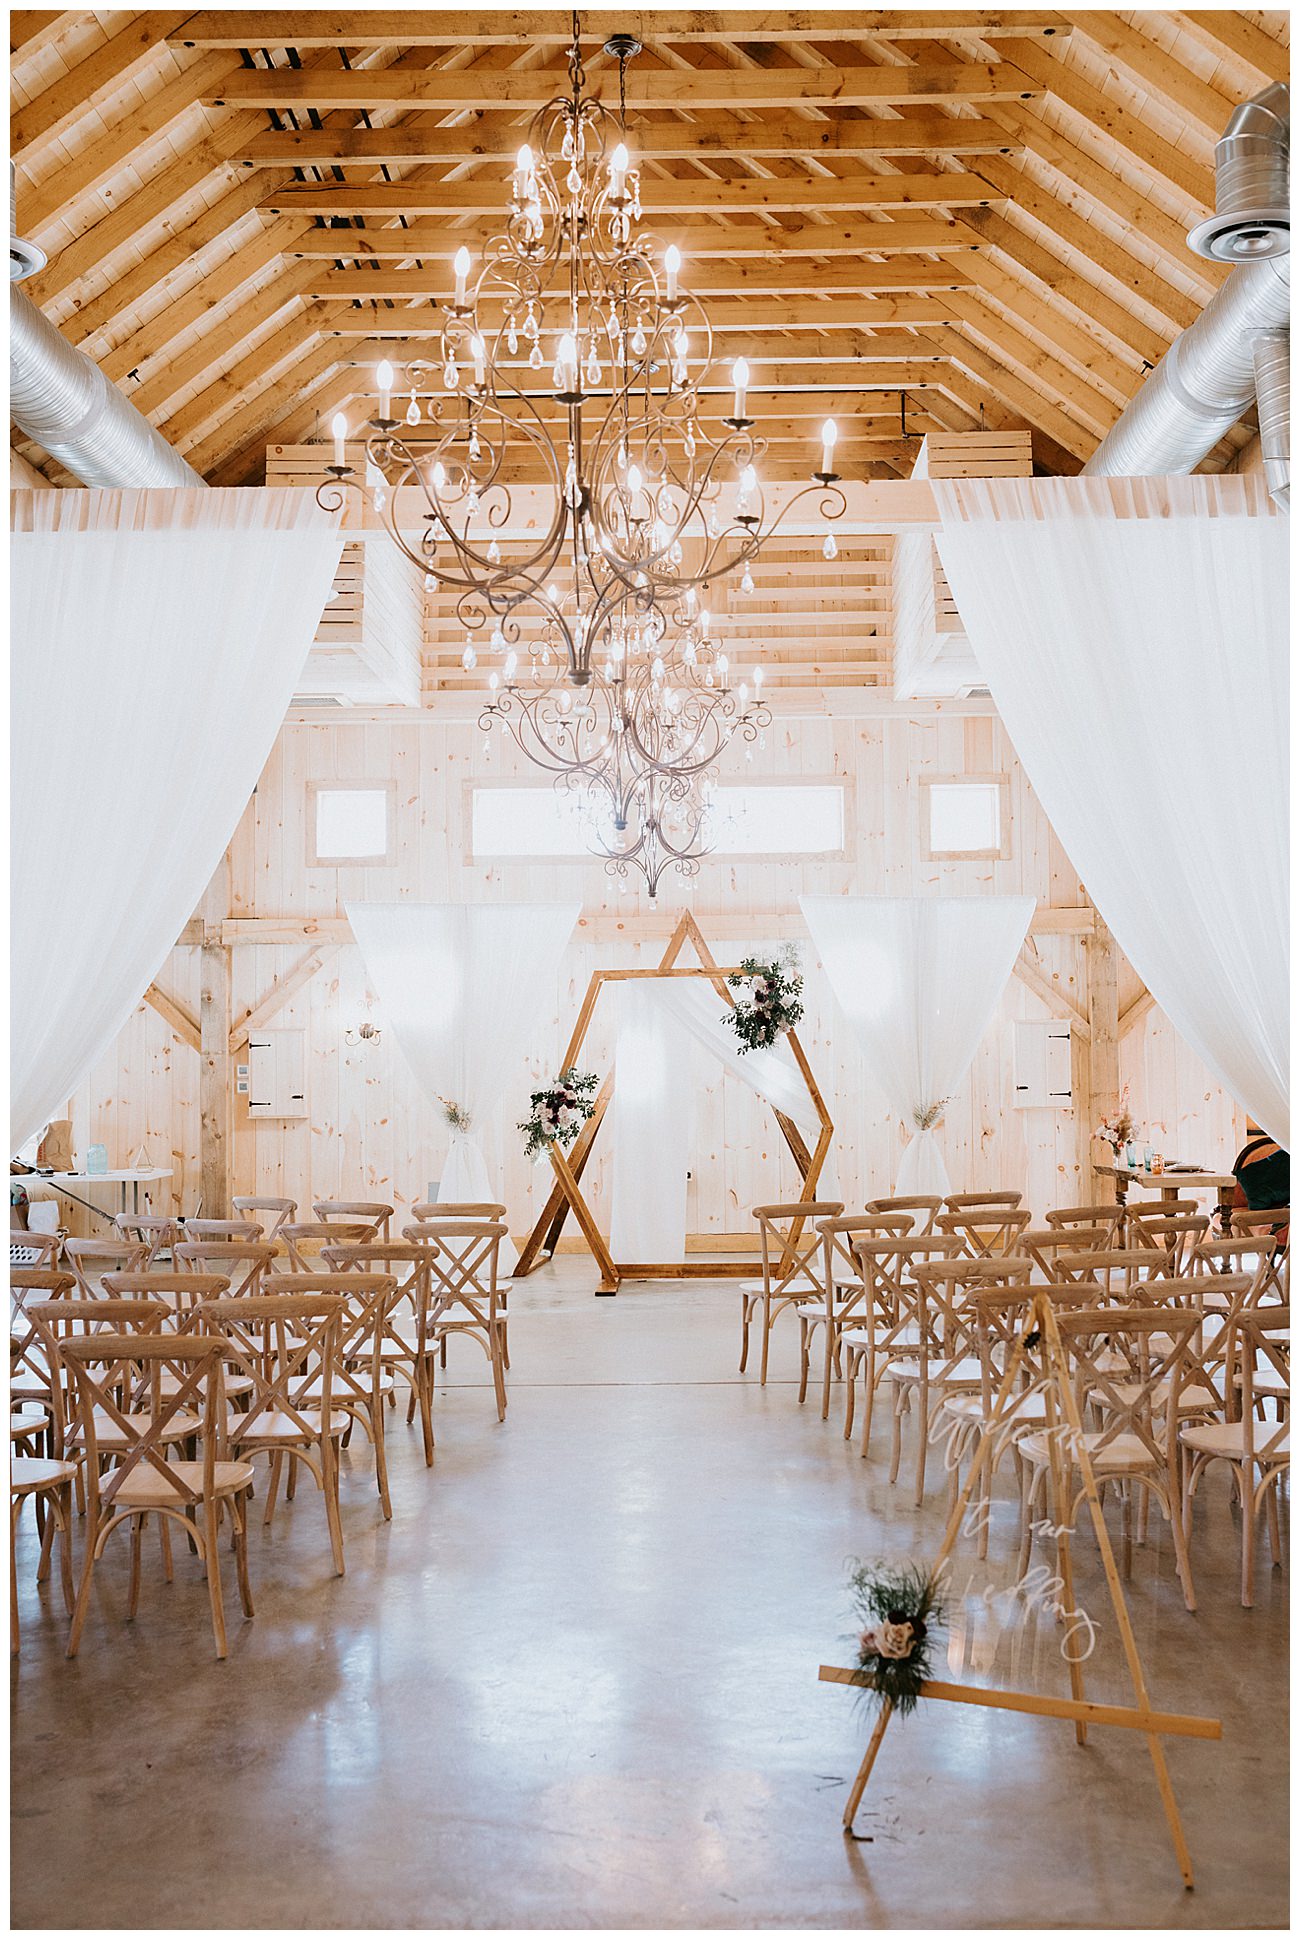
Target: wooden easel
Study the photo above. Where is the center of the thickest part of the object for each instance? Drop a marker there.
(566, 1194)
(1062, 1416)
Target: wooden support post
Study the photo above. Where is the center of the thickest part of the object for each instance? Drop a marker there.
(1103, 1048)
(214, 1048)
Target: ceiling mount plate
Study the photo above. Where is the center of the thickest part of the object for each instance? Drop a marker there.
(623, 47)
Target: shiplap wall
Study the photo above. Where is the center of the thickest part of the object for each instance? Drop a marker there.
(370, 1134)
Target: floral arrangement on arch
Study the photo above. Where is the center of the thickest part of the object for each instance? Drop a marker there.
(559, 1111)
(900, 1611)
(1118, 1129)
(772, 1003)
(455, 1116)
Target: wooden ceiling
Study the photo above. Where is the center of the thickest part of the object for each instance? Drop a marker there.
(936, 219)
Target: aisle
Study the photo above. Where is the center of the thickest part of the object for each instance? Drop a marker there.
(573, 1684)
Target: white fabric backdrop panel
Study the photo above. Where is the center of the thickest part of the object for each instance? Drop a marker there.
(156, 640)
(919, 978)
(772, 1075)
(1134, 635)
(651, 1123)
(461, 986)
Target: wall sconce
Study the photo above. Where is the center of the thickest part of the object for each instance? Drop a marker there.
(362, 1034)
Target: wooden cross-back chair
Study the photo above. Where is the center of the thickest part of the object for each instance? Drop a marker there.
(1276, 1222)
(147, 1477)
(1044, 1245)
(361, 1379)
(1113, 1271)
(157, 1232)
(287, 1344)
(940, 1355)
(35, 1250)
(985, 1230)
(1257, 1254)
(407, 1347)
(920, 1209)
(1128, 1367)
(278, 1211)
(195, 1231)
(1108, 1214)
(244, 1263)
(888, 1313)
(1257, 1449)
(304, 1240)
(48, 1481)
(179, 1291)
(791, 1253)
(1172, 1234)
(843, 1291)
(423, 1232)
(370, 1212)
(463, 1257)
(88, 1260)
(30, 1371)
(73, 1317)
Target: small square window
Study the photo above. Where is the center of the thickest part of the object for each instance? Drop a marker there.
(350, 824)
(965, 817)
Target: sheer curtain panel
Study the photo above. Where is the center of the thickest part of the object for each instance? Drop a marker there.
(156, 639)
(1134, 635)
(919, 978)
(651, 1130)
(461, 986)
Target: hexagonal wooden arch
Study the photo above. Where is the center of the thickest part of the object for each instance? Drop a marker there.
(566, 1195)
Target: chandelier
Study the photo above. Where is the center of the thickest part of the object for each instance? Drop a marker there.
(582, 479)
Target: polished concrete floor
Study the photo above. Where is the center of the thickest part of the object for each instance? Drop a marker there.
(573, 1683)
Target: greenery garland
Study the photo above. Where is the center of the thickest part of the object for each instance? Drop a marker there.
(773, 1006)
(900, 1612)
(559, 1111)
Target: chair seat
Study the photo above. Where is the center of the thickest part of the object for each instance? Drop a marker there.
(963, 1374)
(21, 1425)
(109, 1436)
(271, 1429)
(28, 1473)
(1227, 1438)
(145, 1488)
(1194, 1399)
(1028, 1409)
(1124, 1455)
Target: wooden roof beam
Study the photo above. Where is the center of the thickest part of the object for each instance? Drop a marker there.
(689, 195)
(29, 32)
(379, 27)
(699, 242)
(439, 90)
(250, 426)
(215, 349)
(372, 283)
(1155, 69)
(494, 137)
(1059, 285)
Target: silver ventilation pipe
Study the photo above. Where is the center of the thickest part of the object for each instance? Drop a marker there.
(1273, 396)
(64, 401)
(1207, 378)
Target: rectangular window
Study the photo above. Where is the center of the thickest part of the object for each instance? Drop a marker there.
(966, 817)
(803, 819)
(349, 823)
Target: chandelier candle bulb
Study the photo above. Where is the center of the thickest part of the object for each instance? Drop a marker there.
(829, 435)
(478, 350)
(339, 426)
(740, 379)
(460, 263)
(566, 368)
(672, 265)
(618, 163)
(384, 379)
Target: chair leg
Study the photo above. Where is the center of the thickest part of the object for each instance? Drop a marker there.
(922, 1438)
(83, 1594)
(805, 1356)
(498, 1379)
(1247, 1544)
(330, 1489)
(165, 1545)
(65, 1546)
(896, 1445)
(851, 1366)
(830, 1357)
(272, 1488)
(745, 1311)
(868, 1403)
(239, 1520)
(423, 1392)
(15, 1509)
(137, 1537)
(1274, 1526)
(381, 1457)
(767, 1337)
(212, 1549)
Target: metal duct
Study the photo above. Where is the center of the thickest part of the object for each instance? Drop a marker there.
(1273, 394)
(1207, 378)
(65, 402)
(1252, 171)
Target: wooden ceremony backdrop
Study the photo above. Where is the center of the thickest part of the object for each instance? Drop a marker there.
(567, 1195)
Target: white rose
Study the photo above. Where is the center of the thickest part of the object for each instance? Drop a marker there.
(894, 1640)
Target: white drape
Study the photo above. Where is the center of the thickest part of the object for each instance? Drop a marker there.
(651, 1128)
(461, 986)
(1134, 635)
(156, 639)
(652, 1099)
(919, 979)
